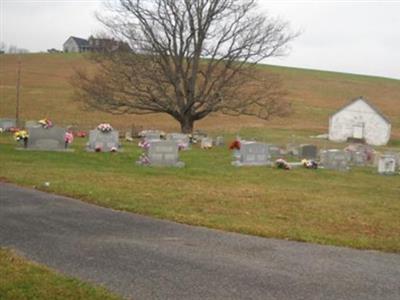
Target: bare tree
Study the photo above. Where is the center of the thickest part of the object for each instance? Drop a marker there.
(188, 58)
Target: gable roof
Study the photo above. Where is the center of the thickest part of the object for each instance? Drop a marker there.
(368, 103)
(80, 42)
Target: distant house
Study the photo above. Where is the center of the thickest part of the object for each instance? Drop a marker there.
(74, 44)
(360, 120)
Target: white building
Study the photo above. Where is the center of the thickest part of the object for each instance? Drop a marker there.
(75, 44)
(359, 120)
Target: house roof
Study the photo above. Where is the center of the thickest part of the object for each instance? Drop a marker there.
(80, 42)
(368, 103)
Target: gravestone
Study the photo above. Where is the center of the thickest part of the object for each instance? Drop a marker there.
(387, 164)
(46, 138)
(253, 154)
(358, 158)
(219, 141)
(152, 136)
(181, 139)
(103, 141)
(308, 151)
(274, 151)
(206, 143)
(335, 159)
(396, 156)
(292, 149)
(7, 124)
(164, 153)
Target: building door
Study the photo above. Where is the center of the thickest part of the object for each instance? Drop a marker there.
(358, 131)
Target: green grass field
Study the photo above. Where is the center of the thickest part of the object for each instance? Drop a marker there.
(21, 279)
(357, 209)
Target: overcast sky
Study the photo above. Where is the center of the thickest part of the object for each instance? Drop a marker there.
(353, 36)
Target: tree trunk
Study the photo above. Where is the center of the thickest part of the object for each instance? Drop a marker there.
(186, 125)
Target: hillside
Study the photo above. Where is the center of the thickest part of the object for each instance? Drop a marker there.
(45, 91)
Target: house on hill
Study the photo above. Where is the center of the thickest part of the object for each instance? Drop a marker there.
(360, 120)
(75, 44)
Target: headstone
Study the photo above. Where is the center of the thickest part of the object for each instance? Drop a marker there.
(219, 141)
(181, 139)
(387, 165)
(152, 136)
(103, 141)
(164, 153)
(396, 156)
(46, 138)
(206, 143)
(253, 154)
(308, 151)
(292, 149)
(335, 159)
(358, 158)
(274, 151)
(7, 124)
(360, 155)
(128, 136)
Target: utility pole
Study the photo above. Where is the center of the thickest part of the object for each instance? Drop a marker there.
(18, 85)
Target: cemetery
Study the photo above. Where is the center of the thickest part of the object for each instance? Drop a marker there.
(251, 170)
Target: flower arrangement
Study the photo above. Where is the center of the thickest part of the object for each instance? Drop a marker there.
(80, 134)
(235, 145)
(282, 164)
(68, 138)
(21, 135)
(144, 144)
(104, 127)
(46, 123)
(309, 164)
(143, 159)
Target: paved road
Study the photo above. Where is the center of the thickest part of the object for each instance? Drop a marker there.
(143, 258)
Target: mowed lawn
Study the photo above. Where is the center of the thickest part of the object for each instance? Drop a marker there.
(21, 279)
(357, 209)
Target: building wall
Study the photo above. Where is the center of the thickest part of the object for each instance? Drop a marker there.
(70, 46)
(357, 117)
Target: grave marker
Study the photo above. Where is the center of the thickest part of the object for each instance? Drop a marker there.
(164, 153)
(253, 154)
(181, 139)
(219, 141)
(6, 124)
(308, 151)
(206, 143)
(52, 139)
(335, 159)
(387, 164)
(103, 141)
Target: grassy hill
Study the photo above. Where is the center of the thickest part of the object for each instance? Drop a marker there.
(315, 95)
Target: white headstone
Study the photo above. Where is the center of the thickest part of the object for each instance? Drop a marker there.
(206, 143)
(387, 164)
